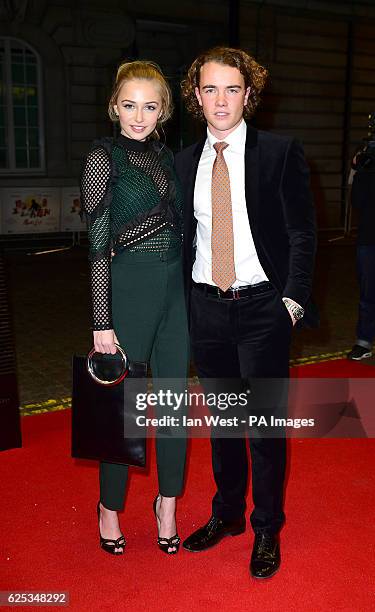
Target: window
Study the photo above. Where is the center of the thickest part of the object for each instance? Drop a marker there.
(21, 142)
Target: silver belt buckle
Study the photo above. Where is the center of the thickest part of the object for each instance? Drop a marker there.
(236, 294)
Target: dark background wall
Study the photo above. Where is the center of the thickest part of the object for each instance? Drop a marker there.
(321, 58)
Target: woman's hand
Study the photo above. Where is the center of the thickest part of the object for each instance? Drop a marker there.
(105, 340)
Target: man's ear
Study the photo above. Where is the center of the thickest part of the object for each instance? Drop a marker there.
(198, 96)
(247, 93)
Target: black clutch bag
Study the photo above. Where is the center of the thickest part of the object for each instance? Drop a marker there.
(104, 408)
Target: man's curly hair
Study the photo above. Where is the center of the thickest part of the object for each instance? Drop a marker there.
(254, 74)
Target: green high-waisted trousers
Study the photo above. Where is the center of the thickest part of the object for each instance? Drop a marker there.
(149, 319)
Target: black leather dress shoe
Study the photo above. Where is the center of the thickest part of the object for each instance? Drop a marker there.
(265, 558)
(211, 533)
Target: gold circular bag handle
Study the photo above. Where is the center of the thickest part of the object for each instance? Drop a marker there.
(108, 383)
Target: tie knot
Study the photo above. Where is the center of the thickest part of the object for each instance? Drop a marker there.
(220, 146)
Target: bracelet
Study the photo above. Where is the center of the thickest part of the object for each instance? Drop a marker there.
(295, 309)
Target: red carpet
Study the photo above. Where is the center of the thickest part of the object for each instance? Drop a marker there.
(336, 368)
(49, 538)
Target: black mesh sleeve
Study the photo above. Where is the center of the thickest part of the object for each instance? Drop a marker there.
(95, 183)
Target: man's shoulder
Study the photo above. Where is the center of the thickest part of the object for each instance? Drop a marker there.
(271, 138)
(188, 151)
(275, 147)
(263, 138)
(185, 159)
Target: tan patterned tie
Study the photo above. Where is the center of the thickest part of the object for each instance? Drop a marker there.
(222, 243)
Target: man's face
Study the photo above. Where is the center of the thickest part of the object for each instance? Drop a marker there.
(222, 96)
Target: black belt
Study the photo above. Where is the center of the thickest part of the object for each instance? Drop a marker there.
(234, 294)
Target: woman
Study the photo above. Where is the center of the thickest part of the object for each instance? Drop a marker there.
(133, 206)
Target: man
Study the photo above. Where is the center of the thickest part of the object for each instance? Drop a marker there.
(249, 218)
(363, 199)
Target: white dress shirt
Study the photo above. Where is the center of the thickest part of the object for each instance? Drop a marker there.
(247, 265)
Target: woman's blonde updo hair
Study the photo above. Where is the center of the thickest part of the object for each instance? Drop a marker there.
(150, 71)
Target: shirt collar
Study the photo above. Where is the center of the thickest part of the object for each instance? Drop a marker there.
(236, 139)
(139, 146)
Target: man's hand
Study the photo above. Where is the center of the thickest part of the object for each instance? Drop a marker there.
(294, 320)
(105, 340)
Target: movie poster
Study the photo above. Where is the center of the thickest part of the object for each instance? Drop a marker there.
(70, 211)
(30, 211)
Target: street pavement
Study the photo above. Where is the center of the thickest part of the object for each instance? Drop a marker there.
(50, 304)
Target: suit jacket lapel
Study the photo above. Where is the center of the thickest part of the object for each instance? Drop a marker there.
(197, 152)
(252, 179)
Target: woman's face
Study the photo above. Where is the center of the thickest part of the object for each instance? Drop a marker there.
(138, 108)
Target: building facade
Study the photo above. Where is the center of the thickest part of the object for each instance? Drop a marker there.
(58, 60)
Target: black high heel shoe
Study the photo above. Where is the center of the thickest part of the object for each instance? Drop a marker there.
(166, 543)
(110, 545)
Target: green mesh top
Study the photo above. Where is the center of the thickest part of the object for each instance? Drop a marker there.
(132, 199)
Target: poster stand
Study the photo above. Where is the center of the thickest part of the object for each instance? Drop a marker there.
(10, 425)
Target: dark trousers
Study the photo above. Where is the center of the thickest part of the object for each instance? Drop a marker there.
(244, 338)
(366, 310)
(149, 318)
